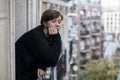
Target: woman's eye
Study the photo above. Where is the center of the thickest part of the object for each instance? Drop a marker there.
(59, 22)
(53, 21)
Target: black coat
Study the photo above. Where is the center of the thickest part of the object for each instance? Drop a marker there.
(34, 50)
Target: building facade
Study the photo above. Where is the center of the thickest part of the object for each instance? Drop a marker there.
(110, 17)
(111, 22)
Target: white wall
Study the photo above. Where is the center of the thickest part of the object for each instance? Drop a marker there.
(20, 18)
(7, 40)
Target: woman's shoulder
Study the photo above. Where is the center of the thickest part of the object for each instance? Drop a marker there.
(31, 33)
(36, 29)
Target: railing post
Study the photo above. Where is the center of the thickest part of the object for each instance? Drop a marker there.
(54, 73)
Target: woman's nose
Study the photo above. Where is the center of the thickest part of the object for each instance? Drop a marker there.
(57, 24)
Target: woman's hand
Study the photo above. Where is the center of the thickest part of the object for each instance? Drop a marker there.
(40, 73)
(52, 31)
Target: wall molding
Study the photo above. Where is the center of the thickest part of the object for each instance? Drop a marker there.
(11, 47)
(56, 2)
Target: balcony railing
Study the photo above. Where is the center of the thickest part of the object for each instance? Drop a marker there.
(57, 72)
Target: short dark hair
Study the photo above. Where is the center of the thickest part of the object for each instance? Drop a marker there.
(50, 14)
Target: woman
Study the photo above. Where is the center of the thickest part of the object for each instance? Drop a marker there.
(39, 48)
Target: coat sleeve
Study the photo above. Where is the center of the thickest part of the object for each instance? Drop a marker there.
(45, 54)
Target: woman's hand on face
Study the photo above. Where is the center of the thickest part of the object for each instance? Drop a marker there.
(52, 31)
(40, 73)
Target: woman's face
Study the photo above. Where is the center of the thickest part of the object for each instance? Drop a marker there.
(54, 23)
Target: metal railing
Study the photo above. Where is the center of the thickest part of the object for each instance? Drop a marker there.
(57, 72)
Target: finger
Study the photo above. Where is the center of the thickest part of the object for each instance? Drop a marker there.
(38, 73)
(54, 31)
(41, 72)
(50, 31)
